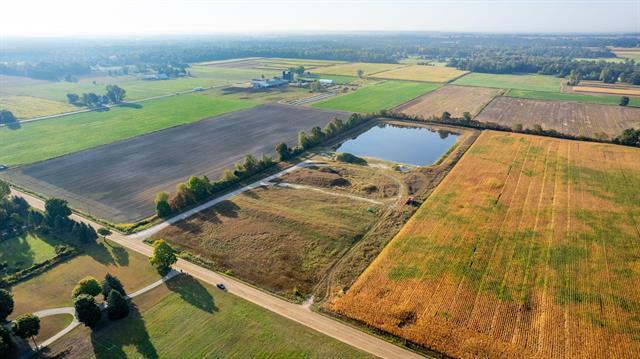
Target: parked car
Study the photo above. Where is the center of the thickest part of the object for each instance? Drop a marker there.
(221, 286)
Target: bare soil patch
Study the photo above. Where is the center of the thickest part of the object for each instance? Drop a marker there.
(118, 181)
(572, 118)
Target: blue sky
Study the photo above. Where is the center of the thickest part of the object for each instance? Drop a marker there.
(119, 17)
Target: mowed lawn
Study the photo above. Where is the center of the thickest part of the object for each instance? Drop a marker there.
(52, 288)
(421, 73)
(188, 319)
(29, 106)
(572, 97)
(521, 82)
(40, 140)
(376, 97)
(528, 248)
(25, 250)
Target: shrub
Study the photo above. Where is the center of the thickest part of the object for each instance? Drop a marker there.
(103, 231)
(349, 158)
(6, 304)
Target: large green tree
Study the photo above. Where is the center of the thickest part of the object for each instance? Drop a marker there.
(87, 285)
(6, 304)
(163, 256)
(27, 326)
(56, 207)
(87, 311)
(111, 283)
(115, 93)
(117, 306)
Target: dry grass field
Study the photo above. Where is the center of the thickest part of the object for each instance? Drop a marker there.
(28, 106)
(351, 69)
(598, 87)
(280, 239)
(572, 118)
(454, 99)
(422, 73)
(528, 248)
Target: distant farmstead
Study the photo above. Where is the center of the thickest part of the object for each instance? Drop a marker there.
(152, 77)
(269, 83)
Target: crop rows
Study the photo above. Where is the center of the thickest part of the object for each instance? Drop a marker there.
(528, 248)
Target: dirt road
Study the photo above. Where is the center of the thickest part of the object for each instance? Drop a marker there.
(295, 312)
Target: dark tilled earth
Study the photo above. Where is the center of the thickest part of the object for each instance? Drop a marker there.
(118, 181)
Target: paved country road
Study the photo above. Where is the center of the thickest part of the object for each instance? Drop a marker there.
(295, 312)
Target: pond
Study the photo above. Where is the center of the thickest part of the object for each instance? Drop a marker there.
(418, 146)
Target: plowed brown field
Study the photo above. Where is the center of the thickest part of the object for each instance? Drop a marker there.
(572, 118)
(454, 99)
(529, 248)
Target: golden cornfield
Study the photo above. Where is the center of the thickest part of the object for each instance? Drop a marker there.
(529, 248)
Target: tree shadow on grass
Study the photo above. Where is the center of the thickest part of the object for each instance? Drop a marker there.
(130, 105)
(100, 253)
(190, 226)
(226, 209)
(194, 293)
(110, 338)
(120, 256)
(14, 125)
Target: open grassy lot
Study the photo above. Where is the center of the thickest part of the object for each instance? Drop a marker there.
(52, 288)
(50, 326)
(629, 53)
(37, 141)
(528, 248)
(280, 239)
(421, 73)
(376, 97)
(119, 181)
(219, 325)
(28, 106)
(351, 69)
(23, 251)
(520, 82)
(453, 99)
(572, 118)
(572, 97)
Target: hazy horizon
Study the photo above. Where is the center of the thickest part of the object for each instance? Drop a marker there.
(73, 18)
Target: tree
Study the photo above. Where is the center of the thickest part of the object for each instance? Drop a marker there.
(87, 311)
(624, 101)
(115, 93)
(163, 256)
(163, 209)
(466, 116)
(73, 98)
(6, 304)
(27, 326)
(445, 116)
(5, 341)
(7, 117)
(110, 283)
(283, 151)
(87, 285)
(629, 137)
(5, 190)
(55, 207)
(117, 306)
(90, 99)
(360, 73)
(574, 78)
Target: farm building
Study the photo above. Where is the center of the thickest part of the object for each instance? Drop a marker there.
(269, 83)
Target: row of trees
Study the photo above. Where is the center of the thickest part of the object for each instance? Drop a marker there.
(114, 95)
(198, 189)
(489, 62)
(15, 214)
(25, 326)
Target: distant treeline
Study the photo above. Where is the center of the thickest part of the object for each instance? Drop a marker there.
(57, 59)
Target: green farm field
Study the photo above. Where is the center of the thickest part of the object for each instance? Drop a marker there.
(40, 140)
(520, 82)
(379, 96)
(23, 251)
(28, 106)
(572, 97)
(219, 325)
(52, 289)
